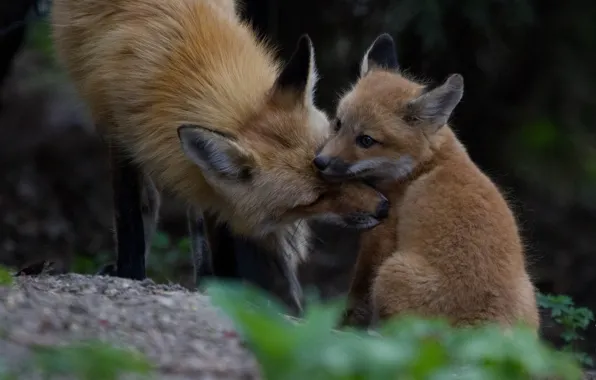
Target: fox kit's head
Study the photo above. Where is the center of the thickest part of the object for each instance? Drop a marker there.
(264, 171)
(386, 125)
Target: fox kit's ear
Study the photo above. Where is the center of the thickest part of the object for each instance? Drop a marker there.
(215, 153)
(432, 109)
(380, 54)
(298, 78)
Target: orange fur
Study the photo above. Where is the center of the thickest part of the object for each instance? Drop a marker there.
(146, 67)
(450, 246)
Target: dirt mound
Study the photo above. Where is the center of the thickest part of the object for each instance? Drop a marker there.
(178, 330)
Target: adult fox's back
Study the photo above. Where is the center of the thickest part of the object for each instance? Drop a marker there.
(152, 65)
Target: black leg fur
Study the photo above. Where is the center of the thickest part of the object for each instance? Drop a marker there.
(129, 231)
(221, 249)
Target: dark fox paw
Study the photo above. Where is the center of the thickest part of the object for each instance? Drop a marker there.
(107, 270)
(356, 317)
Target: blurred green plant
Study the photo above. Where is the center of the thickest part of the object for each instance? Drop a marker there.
(573, 319)
(542, 149)
(410, 348)
(91, 360)
(167, 255)
(540, 136)
(39, 37)
(6, 277)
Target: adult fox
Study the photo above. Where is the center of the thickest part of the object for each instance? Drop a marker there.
(189, 98)
(450, 246)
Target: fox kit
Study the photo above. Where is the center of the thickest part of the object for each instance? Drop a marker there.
(185, 93)
(450, 247)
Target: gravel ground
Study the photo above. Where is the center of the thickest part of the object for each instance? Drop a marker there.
(179, 331)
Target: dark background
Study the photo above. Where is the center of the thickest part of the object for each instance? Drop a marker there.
(527, 119)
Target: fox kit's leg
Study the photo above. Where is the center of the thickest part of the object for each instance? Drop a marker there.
(405, 282)
(359, 308)
(374, 248)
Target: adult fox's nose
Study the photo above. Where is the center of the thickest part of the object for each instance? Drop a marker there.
(321, 162)
(383, 209)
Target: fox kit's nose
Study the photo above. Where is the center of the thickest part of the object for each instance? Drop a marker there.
(321, 162)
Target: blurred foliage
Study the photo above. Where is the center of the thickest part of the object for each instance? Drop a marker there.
(168, 253)
(39, 37)
(92, 360)
(410, 348)
(5, 276)
(572, 319)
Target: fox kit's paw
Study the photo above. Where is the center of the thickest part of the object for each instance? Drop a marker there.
(357, 316)
(363, 206)
(362, 220)
(351, 205)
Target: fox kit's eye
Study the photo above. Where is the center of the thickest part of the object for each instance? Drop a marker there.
(337, 125)
(365, 141)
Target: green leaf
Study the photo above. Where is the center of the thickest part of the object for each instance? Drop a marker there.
(407, 347)
(160, 241)
(540, 135)
(6, 277)
(184, 245)
(90, 360)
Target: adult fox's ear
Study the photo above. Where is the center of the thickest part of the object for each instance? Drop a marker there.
(215, 153)
(432, 109)
(297, 80)
(380, 55)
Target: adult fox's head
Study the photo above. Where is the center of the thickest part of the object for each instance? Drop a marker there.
(386, 125)
(264, 170)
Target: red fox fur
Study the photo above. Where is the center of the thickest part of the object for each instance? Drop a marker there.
(202, 107)
(450, 247)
